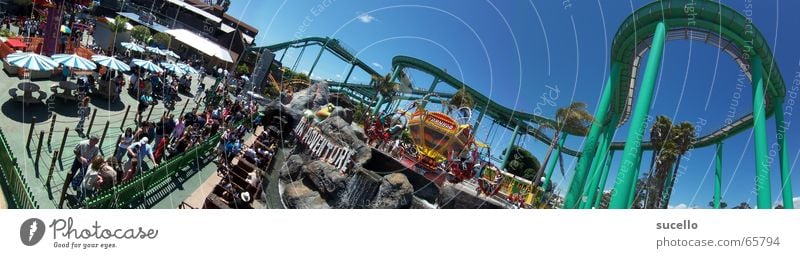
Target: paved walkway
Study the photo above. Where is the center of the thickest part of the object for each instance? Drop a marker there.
(17, 123)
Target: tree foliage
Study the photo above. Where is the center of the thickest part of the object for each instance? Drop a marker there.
(522, 163)
(162, 39)
(242, 69)
(462, 98)
(118, 25)
(385, 86)
(670, 143)
(140, 33)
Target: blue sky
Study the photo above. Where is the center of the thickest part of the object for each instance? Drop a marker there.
(512, 50)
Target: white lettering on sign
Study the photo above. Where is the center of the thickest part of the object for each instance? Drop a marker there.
(440, 123)
(322, 148)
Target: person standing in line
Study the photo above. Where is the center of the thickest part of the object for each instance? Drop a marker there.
(83, 112)
(122, 146)
(84, 152)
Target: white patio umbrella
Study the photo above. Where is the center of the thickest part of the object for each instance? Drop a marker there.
(172, 54)
(172, 68)
(111, 63)
(186, 68)
(132, 47)
(150, 66)
(74, 61)
(31, 61)
(155, 50)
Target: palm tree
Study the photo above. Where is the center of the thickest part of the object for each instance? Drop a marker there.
(462, 98)
(664, 162)
(116, 27)
(683, 137)
(658, 135)
(574, 120)
(385, 86)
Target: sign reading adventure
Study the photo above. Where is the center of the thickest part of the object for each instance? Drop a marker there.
(321, 147)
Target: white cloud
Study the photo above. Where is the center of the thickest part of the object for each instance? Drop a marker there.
(366, 18)
(376, 64)
(679, 206)
(338, 75)
(683, 206)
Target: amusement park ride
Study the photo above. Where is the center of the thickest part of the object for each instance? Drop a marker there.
(442, 147)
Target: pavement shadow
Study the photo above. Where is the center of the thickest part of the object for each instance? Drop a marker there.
(65, 108)
(18, 112)
(107, 104)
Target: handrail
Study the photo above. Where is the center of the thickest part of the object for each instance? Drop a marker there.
(126, 194)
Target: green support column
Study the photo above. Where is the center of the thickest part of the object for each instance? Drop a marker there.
(629, 166)
(552, 165)
(596, 162)
(478, 120)
(347, 78)
(316, 60)
(300, 56)
(283, 55)
(579, 179)
(601, 163)
(718, 177)
(378, 104)
(786, 179)
(433, 84)
(606, 168)
(763, 194)
(380, 97)
(510, 145)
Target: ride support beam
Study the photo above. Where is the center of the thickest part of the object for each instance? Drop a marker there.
(631, 156)
(316, 60)
(786, 178)
(297, 61)
(479, 119)
(763, 194)
(601, 164)
(579, 179)
(597, 161)
(551, 166)
(603, 179)
(507, 153)
(718, 177)
(283, 55)
(347, 78)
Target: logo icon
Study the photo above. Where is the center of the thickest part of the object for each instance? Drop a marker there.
(31, 231)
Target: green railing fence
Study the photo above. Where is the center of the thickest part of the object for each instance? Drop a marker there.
(19, 195)
(128, 194)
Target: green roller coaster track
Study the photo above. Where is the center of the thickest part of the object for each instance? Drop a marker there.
(646, 28)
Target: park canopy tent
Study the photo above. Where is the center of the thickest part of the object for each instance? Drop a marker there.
(202, 44)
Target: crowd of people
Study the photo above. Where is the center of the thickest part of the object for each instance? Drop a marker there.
(241, 181)
(154, 142)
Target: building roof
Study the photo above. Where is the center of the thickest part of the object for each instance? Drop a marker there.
(191, 7)
(241, 23)
(202, 44)
(217, 9)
